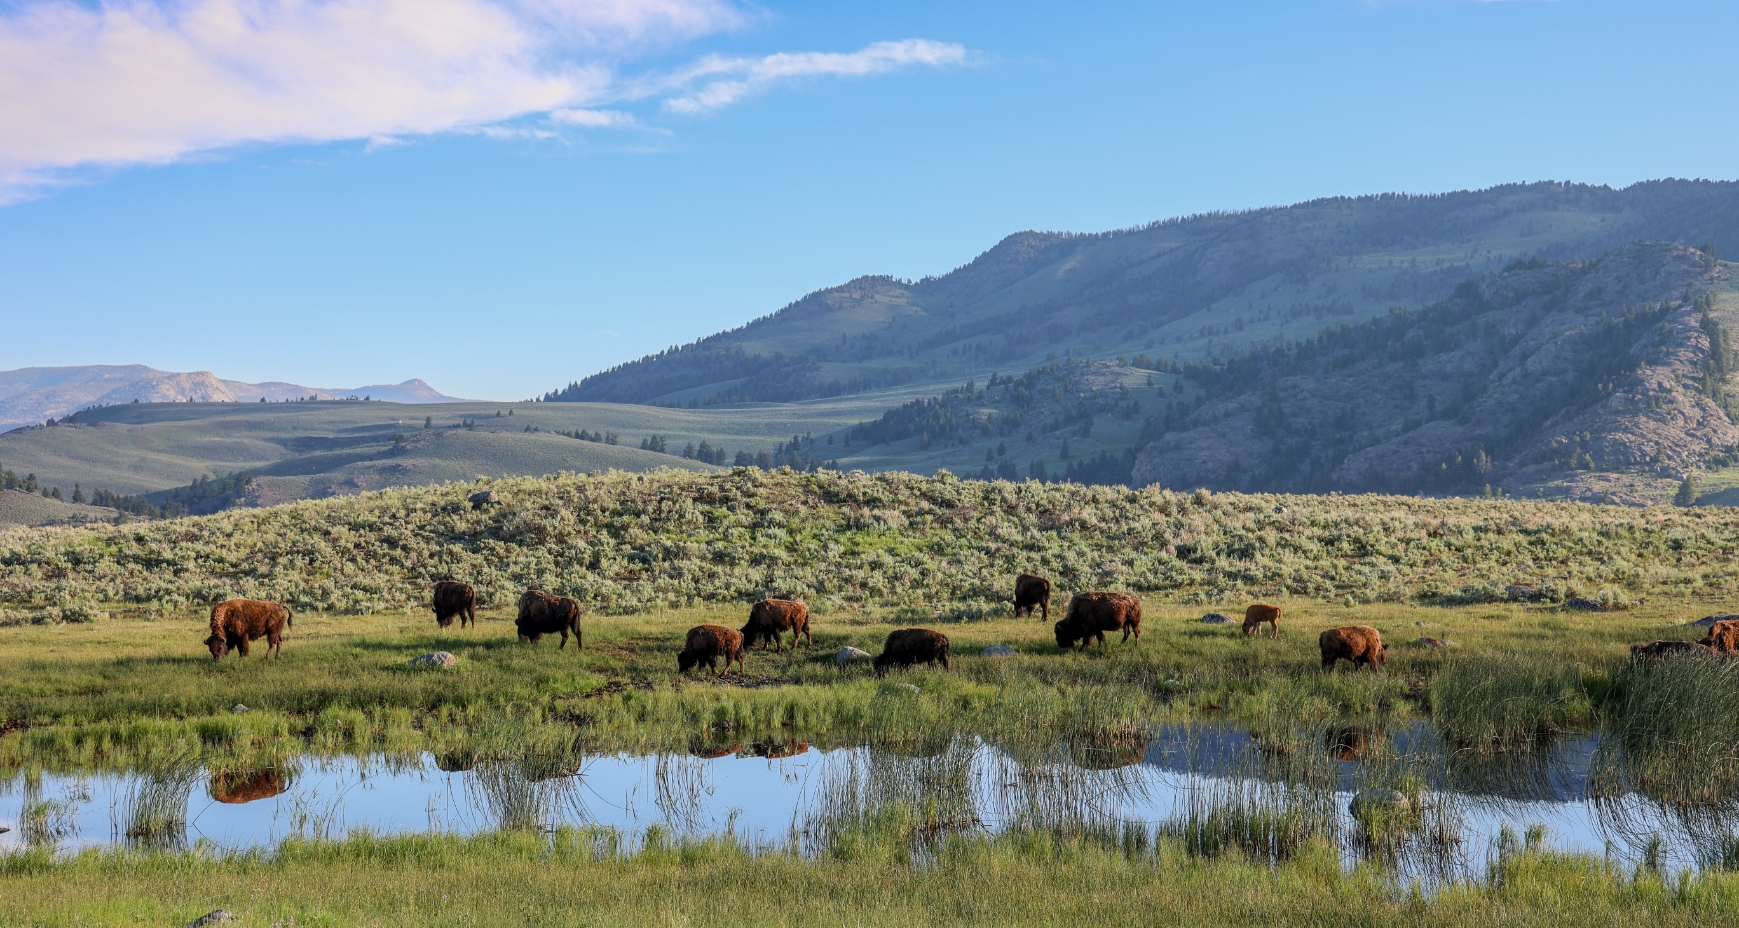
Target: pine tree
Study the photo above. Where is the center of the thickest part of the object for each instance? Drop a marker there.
(78, 493)
(1687, 495)
(428, 422)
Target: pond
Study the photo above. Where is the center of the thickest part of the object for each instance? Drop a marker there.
(1194, 782)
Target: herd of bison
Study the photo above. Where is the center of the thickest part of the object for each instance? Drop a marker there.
(1090, 615)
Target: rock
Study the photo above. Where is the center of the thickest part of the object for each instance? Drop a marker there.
(1217, 618)
(1379, 800)
(848, 654)
(1436, 642)
(998, 650)
(1522, 592)
(898, 689)
(1709, 620)
(1584, 604)
(440, 659)
(218, 917)
(239, 708)
(483, 498)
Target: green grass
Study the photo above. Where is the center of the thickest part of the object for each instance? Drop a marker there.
(20, 508)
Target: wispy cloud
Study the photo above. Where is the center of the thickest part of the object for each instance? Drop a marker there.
(128, 82)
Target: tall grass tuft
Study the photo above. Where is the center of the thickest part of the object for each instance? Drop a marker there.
(1673, 732)
(1509, 701)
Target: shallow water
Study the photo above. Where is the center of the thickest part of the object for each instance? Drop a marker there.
(799, 800)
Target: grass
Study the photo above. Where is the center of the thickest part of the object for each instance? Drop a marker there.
(579, 877)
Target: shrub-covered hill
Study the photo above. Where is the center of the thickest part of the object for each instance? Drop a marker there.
(624, 542)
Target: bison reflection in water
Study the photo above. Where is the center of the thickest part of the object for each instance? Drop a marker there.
(773, 750)
(235, 787)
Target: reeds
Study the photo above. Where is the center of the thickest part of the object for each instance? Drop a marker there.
(1496, 703)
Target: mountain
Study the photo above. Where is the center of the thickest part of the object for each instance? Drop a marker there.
(1191, 288)
(32, 395)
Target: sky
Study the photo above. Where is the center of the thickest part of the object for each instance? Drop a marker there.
(502, 196)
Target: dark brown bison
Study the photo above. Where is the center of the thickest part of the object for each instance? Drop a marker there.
(236, 622)
(1257, 615)
(1093, 614)
(1723, 636)
(908, 646)
(1661, 649)
(706, 644)
(770, 618)
(1030, 591)
(453, 598)
(235, 787)
(1361, 644)
(541, 614)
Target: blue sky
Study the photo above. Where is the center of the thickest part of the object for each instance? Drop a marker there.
(340, 192)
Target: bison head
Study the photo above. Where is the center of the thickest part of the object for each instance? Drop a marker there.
(686, 659)
(219, 646)
(1382, 655)
(1066, 636)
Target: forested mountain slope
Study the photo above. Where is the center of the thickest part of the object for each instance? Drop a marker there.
(1192, 288)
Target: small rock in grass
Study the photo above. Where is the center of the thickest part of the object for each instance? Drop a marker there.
(898, 689)
(440, 659)
(1217, 618)
(219, 917)
(1709, 620)
(1372, 800)
(1436, 642)
(483, 498)
(239, 708)
(998, 650)
(1585, 604)
(848, 654)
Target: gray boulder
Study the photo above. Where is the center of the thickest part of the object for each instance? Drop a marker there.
(848, 654)
(437, 659)
(1709, 620)
(1379, 800)
(218, 917)
(483, 498)
(238, 708)
(898, 689)
(1585, 604)
(1436, 642)
(1217, 618)
(998, 650)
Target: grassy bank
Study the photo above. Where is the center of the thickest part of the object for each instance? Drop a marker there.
(582, 878)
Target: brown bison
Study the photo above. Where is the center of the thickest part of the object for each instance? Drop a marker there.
(1361, 644)
(541, 614)
(1256, 615)
(453, 598)
(1093, 614)
(1661, 649)
(1030, 591)
(1723, 636)
(234, 787)
(770, 618)
(706, 644)
(236, 622)
(908, 646)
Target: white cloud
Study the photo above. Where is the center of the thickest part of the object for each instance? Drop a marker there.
(111, 83)
(724, 81)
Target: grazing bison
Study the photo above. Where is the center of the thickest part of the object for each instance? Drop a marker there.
(1361, 644)
(1723, 636)
(1661, 649)
(1030, 591)
(236, 622)
(541, 614)
(706, 644)
(453, 598)
(1091, 615)
(908, 646)
(770, 618)
(1256, 615)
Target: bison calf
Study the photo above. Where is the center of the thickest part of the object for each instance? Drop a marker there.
(453, 598)
(541, 614)
(1361, 644)
(238, 621)
(770, 618)
(1093, 614)
(1030, 591)
(1655, 650)
(908, 646)
(708, 643)
(1257, 615)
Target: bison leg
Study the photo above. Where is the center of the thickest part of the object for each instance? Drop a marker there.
(274, 645)
(471, 615)
(242, 645)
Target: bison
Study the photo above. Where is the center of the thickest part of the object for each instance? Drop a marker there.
(1256, 615)
(1662, 649)
(1723, 636)
(236, 622)
(235, 787)
(541, 614)
(453, 598)
(1361, 644)
(1030, 591)
(1093, 614)
(770, 618)
(706, 644)
(908, 646)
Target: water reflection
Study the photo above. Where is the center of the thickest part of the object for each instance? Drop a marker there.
(1431, 812)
